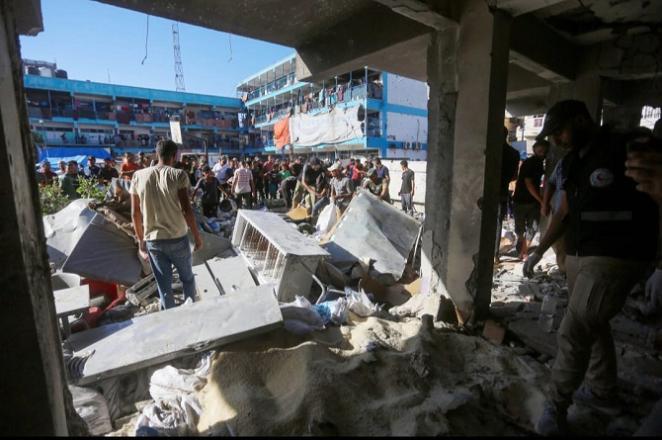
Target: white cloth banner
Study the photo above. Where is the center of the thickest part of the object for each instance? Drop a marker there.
(338, 125)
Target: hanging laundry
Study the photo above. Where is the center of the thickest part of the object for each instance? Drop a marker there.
(282, 133)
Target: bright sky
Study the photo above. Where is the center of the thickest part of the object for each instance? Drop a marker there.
(91, 40)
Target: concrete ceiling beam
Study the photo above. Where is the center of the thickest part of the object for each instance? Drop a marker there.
(437, 16)
(631, 57)
(29, 20)
(351, 45)
(536, 47)
(520, 7)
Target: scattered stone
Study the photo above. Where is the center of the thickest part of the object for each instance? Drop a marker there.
(494, 332)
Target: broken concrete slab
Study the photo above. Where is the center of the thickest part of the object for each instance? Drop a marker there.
(159, 337)
(231, 274)
(277, 252)
(529, 332)
(72, 300)
(373, 230)
(63, 228)
(142, 290)
(205, 285)
(330, 274)
(214, 246)
(116, 261)
(61, 280)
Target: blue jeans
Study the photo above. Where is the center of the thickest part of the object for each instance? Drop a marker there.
(407, 203)
(319, 205)
(163, 254)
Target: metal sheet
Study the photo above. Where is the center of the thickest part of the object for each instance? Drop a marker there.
(159, 337)
(375, 230)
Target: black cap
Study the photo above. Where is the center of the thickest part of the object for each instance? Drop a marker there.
(560, 114)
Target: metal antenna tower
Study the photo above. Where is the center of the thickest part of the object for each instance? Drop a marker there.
(179, 67)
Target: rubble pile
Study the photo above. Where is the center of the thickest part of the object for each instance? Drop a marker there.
(325, 332)
(532, 309)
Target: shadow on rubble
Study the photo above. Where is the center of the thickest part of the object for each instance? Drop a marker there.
(517, 303)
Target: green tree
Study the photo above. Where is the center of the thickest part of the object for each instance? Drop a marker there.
(91, 189)
(52, 198)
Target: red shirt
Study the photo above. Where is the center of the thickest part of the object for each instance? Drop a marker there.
(128, 167)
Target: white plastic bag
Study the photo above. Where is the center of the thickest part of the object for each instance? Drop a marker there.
(92, 407)
(334, 311)
(176, 408)
(360, 304)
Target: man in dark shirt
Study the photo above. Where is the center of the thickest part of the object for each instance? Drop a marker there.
(46, 176)
(527, 197)
(69, 182)
(509, 165)
(211, 192)
(108, 172)
(306, 187)
(611, 234)
(382, 172)
(407, 188)
(93, 170)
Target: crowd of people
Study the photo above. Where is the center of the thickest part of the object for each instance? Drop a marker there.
(312, 184)
(250, 182)
(69, 174)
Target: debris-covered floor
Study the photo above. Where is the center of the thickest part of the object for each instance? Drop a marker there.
(268, 348)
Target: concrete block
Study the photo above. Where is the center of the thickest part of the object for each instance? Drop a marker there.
(205, 285)
(152, 339)
(231, 274)
(72, 300)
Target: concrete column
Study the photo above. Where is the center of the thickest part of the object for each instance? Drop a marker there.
(32, 384)
(467, 73)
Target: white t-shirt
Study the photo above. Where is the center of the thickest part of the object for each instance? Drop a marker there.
(243, 177)
(157, 188)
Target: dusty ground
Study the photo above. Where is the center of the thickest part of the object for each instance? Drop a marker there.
(386, 377)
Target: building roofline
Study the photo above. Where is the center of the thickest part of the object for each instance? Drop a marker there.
(116, 90)
(267, 69)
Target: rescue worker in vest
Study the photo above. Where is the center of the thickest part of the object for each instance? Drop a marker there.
(611, 232)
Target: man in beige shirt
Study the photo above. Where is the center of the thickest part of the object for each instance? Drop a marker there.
(161, 215)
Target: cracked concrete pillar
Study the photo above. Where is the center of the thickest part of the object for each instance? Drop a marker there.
(32, 380)
(467, 75)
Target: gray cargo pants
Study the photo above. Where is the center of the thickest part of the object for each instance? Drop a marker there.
(598, 288)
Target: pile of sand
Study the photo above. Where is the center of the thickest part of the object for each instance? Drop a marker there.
(378, 378)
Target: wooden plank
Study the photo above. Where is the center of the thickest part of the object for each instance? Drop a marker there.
(159, 337)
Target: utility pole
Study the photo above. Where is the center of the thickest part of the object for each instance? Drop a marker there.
(179, 67)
